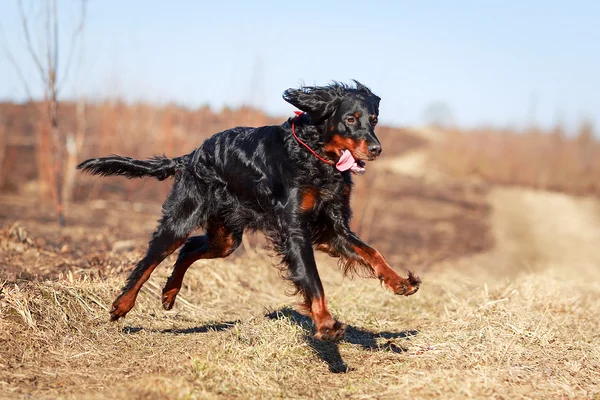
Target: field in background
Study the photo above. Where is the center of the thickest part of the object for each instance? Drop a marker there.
(508, 307)
(533, 158)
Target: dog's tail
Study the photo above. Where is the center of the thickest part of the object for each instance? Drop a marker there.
(159, 167)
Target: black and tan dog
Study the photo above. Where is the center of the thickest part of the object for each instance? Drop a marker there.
(290, 181)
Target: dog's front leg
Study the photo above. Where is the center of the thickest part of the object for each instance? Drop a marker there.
(383, 271)
(347, 245)
(299, 257)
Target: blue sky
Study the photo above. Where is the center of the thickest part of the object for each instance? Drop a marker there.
(492, 62)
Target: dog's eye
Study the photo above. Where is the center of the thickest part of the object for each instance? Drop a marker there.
(350, 120)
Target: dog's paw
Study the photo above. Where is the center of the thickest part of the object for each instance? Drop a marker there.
(168, 298)
(406, 287)
(331, 333)
(122, 305)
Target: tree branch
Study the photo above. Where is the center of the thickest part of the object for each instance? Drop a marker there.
(76, 34)
(32, 52)
(15, 65)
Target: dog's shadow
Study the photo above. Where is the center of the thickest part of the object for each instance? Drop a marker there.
(223, 326)
(328, 352)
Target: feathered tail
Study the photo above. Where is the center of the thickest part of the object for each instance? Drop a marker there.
(159, 167)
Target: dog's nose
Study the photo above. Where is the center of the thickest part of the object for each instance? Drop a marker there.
(375, 149)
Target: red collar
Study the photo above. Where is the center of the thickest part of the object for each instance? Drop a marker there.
(298, 114)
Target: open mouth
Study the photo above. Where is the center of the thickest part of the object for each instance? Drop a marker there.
(348, 162)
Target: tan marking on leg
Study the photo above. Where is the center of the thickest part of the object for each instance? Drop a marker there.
(327, 327)
(309, 199)
(385, 273)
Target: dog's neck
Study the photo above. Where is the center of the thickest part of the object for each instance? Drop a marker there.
(303, 143)
(310, 133)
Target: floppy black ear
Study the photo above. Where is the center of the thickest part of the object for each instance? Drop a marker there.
(319, 102)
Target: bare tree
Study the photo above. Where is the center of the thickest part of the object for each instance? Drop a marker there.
(3, 145)
(46, 64)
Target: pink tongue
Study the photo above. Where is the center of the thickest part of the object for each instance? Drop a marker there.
(346, 161)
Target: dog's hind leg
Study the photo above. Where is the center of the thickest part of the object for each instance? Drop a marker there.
(191, 251)
(219, 242)
(178, 221)
(163, 243)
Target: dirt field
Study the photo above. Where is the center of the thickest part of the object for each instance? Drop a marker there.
(508, 307)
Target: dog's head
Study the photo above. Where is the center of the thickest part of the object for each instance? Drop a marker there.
(347, 117)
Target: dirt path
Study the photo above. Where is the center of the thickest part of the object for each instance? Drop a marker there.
(413, 163)
(533, 230)
(536, 229)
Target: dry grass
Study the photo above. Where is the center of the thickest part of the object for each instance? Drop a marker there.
(533, 335)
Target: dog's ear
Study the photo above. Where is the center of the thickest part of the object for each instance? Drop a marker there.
(377, 99)
(318, 102)
(362, 88)
(366, 91)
